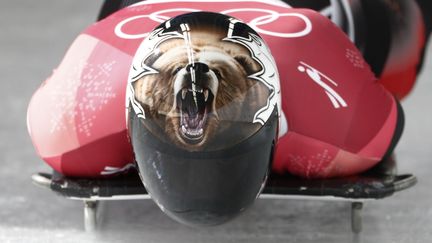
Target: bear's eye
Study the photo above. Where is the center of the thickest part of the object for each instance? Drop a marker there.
(218, 73)
(176, 70)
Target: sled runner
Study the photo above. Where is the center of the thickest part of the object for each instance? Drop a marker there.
(378, 183)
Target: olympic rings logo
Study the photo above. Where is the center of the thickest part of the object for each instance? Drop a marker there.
(256, 23)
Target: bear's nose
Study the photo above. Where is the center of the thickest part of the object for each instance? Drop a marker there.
(199, 67)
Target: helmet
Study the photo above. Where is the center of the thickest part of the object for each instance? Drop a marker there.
(203, 100)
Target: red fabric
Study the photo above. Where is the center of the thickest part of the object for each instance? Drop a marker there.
(333, 129)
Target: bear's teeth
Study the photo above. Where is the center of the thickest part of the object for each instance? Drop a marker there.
(206, 94)
(192, 132)
(195, 132)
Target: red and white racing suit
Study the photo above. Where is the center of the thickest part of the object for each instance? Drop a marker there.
(337, 118)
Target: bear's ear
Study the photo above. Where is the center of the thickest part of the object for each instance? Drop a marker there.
(248, 64)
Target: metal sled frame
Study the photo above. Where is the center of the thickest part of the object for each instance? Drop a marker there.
(377, 183)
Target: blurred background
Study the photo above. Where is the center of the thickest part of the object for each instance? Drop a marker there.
(34, 35)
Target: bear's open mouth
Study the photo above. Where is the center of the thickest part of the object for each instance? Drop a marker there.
(194, 106)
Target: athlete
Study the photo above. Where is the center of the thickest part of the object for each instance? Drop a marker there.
(213, 101)
(76, 118)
